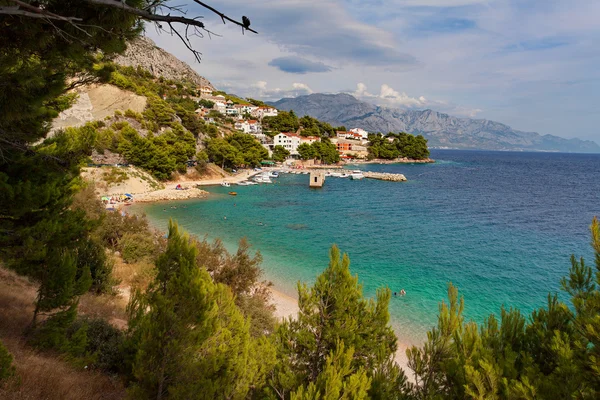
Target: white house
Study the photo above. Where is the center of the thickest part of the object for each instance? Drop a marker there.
(342, 134)
(264, 111)
(289, 141)
(243, 126)
(363, 134)
(220, 107)
(255, 126)
(231, 111)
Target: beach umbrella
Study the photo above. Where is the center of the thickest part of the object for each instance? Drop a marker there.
(105, 198)
(128, 195)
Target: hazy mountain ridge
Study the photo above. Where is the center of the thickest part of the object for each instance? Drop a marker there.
(442, 130)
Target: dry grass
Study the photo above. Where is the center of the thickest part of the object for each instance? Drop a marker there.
(138, 274)
(42, 375)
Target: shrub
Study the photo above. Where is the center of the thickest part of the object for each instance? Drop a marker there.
(114, 176)
(91, 253)
(6, 367)
(136, 246)
(104, 344)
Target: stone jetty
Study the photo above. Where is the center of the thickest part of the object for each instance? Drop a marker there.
(384, 176)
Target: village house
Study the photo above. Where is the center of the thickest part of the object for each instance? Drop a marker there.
(205, 90)
(350, 146)
(264, 111)
(291, 141)
(363, 134)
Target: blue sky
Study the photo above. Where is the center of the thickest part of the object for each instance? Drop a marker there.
(532, 64)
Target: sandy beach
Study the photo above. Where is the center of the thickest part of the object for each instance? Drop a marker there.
(287, 306)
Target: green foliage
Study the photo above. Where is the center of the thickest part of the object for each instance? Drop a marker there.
(323, 150)
(333, 313)
(160, 155)
(136, 246)
(114, 176)
(236, 150)
(401, 145)
(206, 103)
(6, 368)
(92, 255)
(193, 342)
(280, 153)
(103, 344)
(339, 380)
(242, 273)
(257, 103)
(313, 127)
(283, 122)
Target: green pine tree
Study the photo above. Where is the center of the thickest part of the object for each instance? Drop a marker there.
(333, 311)
(193, 341)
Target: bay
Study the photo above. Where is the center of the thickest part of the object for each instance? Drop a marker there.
(501, 226)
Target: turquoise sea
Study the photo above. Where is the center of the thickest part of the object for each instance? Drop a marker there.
(501, 226)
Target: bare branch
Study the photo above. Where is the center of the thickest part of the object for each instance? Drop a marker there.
(40, 15)
(224, 17)
(146, 14)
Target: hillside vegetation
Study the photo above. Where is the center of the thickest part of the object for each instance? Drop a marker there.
(99, 305)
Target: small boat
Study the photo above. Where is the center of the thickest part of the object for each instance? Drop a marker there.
(274, 174)
(244, 183)
(232, 193)
(336, 175)
(356, 175)
(262, 178)
(344, 176)
(225, 184)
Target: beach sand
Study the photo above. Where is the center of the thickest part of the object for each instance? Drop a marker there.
(287, 306)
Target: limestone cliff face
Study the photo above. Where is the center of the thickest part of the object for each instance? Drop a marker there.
(144, 53)
(442, 130)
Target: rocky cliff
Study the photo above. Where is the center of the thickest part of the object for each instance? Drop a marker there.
(144, 53)
(442, 130)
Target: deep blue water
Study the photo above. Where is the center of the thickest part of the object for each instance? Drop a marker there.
(501, 226)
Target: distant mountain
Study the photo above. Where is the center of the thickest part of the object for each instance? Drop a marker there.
(143, 52)
(442, 130)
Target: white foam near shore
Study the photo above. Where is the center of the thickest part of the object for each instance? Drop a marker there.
(287, 306)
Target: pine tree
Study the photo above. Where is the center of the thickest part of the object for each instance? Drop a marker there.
(338, 380)
(333, 311)
(193, 342)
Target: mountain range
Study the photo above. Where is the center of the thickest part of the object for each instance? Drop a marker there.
(441, 130)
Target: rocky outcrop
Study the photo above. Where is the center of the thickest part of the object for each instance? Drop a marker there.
(96, 102)
(143, 52)
(441, 130)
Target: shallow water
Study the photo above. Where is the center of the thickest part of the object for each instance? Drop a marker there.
(500, 226)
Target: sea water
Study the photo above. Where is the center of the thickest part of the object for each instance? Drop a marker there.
(501, 226)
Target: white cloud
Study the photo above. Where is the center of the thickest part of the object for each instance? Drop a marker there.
(261, 90)
(390, 97)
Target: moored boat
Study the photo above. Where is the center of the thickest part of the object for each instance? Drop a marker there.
(356, 175)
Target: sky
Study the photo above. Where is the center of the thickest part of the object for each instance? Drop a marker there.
(531, 64)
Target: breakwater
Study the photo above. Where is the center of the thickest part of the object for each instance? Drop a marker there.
(385, 176)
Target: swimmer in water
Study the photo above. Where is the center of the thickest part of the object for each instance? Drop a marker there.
(402, 292)
(224, 217)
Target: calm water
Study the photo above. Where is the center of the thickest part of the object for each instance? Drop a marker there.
(501, 226)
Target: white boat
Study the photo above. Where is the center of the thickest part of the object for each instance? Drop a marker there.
(336, 175)
(356, 175)
(225, 184)
(262, 178)
(345, 176)
(274, 174)
(244, 183)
